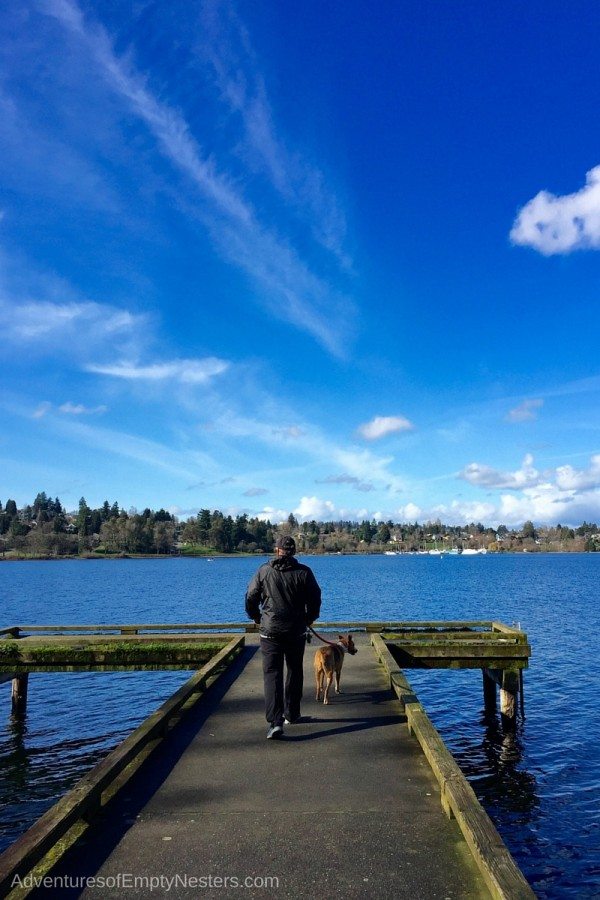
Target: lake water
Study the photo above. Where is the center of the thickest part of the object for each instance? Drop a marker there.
(541, 786)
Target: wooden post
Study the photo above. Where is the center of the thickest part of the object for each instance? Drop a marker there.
(489, 691)
(19, 694)
(508, 696)
(521, 694)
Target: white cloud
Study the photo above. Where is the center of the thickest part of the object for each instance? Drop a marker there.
(286, 285)
(525, 412)
(291, 431)
(381, 426)
(41, 410)
(242, 89)
(187, 371)
(255, 492)
(554, 224)
(465, 511)
(314, 508)
(485, 476)
(352, 480)
(78, 409)
(67, 323)
(570, 479)
(271, 514)
(410, 513)
(338, 479)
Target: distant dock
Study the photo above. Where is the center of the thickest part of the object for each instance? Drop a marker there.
(348, 804)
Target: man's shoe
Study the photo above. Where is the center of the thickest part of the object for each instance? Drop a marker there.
(274, 733)
(292, 721)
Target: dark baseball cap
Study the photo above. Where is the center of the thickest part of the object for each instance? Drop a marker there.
(287, 544)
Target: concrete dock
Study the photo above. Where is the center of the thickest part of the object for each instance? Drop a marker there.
(345, 805)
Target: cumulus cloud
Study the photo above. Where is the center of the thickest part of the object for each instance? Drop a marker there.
(314, 508)
(410, 512)
(187, 371)
(485, 476)
(554, 224)
(525, 412)
(570, 479)
(381, 426)
(464, 511)
(272, 514)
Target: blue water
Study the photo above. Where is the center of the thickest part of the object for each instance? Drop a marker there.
(541, 785)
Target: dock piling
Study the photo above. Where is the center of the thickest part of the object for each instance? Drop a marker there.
(489, 691)
(508, 696)
(20, 684)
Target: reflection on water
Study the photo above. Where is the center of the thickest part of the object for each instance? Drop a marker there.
(73, 720)
(496, 773)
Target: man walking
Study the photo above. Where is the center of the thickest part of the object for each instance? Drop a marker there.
(283, 597)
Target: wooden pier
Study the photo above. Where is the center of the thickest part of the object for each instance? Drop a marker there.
(348, 804)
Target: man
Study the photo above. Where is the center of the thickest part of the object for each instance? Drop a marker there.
(283, 597)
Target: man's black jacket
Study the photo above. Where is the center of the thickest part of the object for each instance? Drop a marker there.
(285, 596)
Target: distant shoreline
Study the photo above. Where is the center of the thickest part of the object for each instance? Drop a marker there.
(209, 557)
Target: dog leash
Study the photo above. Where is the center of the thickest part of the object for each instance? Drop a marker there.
(325, 641)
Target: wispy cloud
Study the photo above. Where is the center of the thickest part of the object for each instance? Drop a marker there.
(382, 426)
(338, 479)
(287, 285)
(88, 323)
(68, 409)
(525, 412)
(41, 410)
(187, 371)
(362, 464)
(241, 85)
(79, 409)
(293, 432)
(554, 224)
(352, 480)
(255, 492)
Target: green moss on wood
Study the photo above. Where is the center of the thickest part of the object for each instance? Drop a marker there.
(116, 652)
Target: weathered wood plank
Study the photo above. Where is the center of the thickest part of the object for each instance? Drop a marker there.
(414, 636)
(503, 877)
(460, 650)
(230, 626)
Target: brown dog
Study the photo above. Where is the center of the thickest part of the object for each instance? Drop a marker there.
(329, 661)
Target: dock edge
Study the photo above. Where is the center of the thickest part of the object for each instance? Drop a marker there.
(500, 872)
(42, 845)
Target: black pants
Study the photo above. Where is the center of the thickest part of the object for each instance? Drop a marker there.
(280, 702)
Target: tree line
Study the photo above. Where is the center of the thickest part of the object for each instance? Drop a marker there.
(45, 528)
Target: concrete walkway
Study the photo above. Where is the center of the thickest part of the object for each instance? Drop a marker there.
(344, 806)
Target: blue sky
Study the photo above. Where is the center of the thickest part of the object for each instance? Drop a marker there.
(339, 259)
